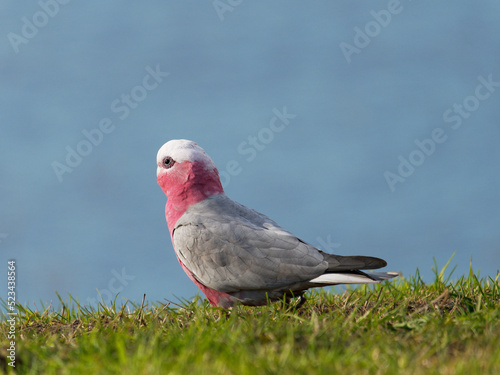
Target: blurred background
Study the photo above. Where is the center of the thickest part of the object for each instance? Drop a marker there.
(367, 127)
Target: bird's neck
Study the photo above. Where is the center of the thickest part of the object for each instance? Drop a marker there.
(199, 185)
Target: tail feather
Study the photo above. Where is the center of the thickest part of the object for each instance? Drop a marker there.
(341, 263)
(380, 276)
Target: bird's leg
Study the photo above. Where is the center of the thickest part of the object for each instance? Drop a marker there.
(223, 314)
(302, 300)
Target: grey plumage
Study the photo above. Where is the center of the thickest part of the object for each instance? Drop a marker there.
(233, 249)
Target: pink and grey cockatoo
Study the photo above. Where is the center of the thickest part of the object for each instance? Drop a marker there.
(235, 254)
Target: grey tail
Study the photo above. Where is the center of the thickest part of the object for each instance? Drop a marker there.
(339, 263)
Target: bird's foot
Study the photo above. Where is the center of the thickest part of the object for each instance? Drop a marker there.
(286, 302)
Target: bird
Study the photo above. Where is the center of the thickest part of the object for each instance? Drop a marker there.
(234, 254)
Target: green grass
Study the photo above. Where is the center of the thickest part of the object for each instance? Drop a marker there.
(399, 327)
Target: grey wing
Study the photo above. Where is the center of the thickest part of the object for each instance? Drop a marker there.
(229, 247)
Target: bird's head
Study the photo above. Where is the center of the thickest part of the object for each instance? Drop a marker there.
(184, 170)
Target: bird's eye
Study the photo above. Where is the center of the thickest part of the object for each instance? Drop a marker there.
(168, 162)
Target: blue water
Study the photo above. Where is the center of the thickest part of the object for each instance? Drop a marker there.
(363, 85)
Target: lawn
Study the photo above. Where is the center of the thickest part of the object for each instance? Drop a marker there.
(401, 327)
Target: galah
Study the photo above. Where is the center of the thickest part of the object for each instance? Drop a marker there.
(235, 254)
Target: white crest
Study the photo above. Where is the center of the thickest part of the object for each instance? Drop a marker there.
(183, 150)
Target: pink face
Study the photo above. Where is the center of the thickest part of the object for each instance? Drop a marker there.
(171, 174)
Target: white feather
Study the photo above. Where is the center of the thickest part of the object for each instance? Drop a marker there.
(352, 278)
(184, 150)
